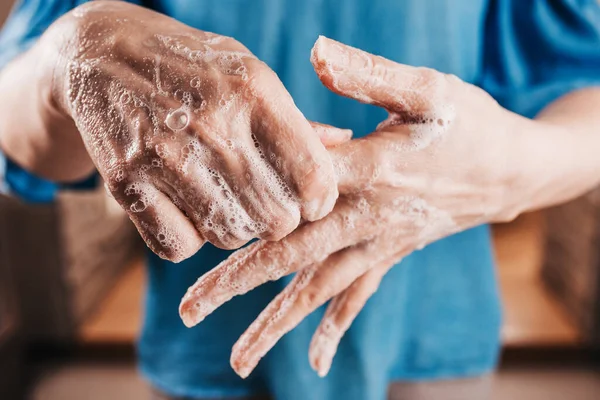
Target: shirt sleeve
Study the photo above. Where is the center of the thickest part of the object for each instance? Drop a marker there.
(538, 50)
(26, 23)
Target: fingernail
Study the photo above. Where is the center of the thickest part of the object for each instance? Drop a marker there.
(316, 209)
(343, 69)
(324, 48)
(329, 53)
(348, 133)
(319, 365)
(317, 50)
(193, 311)
(190, 318)
(322, 371)
(242, 370)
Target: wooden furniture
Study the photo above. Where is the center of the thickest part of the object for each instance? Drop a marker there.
(63, 257)
(12, 371)
(119, 317)
(532, 316)
(571, 267)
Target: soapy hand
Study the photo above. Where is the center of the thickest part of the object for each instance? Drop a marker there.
(439, 164)
(194, 137)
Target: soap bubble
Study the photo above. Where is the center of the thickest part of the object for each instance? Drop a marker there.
(177, 120)
(138, 206)
(125, 98)
(195, 82)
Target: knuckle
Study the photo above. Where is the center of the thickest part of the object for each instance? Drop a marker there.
(431, 80)
(382, 72)
(309, 298)
(219, 235)
(152, 239)
(258, 70)
(116, 182)
(230, 242)
(281, 224)
(452, 79)
(354, 303)
(433, 85)
(260, 80)
(212, 237)
(428, 76)
(350, 307)
(319, 181)
(175, 255)
(166, 253)
(318, 193)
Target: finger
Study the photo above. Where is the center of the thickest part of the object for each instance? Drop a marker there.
(236, 193)
(371, 79)
(197, 170)
(264, 194)
(304, 164)
(209, 204)
(177, 172)
(310, 288)
(221, 183)
(364, 163)
(340, 313)
(162, 225)
(202, 183)
(252, 175)
(330, 135)
(358, 163)
(265, 261)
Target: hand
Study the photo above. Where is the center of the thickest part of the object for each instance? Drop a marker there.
(439, 164)
(194, 137)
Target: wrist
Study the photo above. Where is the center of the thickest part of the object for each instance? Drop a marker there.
(521, 167)
(56, 47)
(69, 38)
(544, 158)
(52, 148)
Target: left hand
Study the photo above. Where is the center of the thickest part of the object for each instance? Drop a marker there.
(195, 138)
(443, 161)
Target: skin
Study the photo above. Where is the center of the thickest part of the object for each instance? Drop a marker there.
(93, 94)
(448, 158)
(194, 137)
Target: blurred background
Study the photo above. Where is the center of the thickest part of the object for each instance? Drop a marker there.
(72, 281)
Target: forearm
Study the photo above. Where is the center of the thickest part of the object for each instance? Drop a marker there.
(33, 132)
(560, 155)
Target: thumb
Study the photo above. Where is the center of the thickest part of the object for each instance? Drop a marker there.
(356, 163)
(350, 72)
(330, 135)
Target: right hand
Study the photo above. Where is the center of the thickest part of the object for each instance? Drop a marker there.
(195, 138)
(446, 159)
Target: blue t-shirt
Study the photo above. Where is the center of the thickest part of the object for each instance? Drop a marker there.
(437, 314)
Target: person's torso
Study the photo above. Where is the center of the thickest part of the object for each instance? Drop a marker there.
(436, 314)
